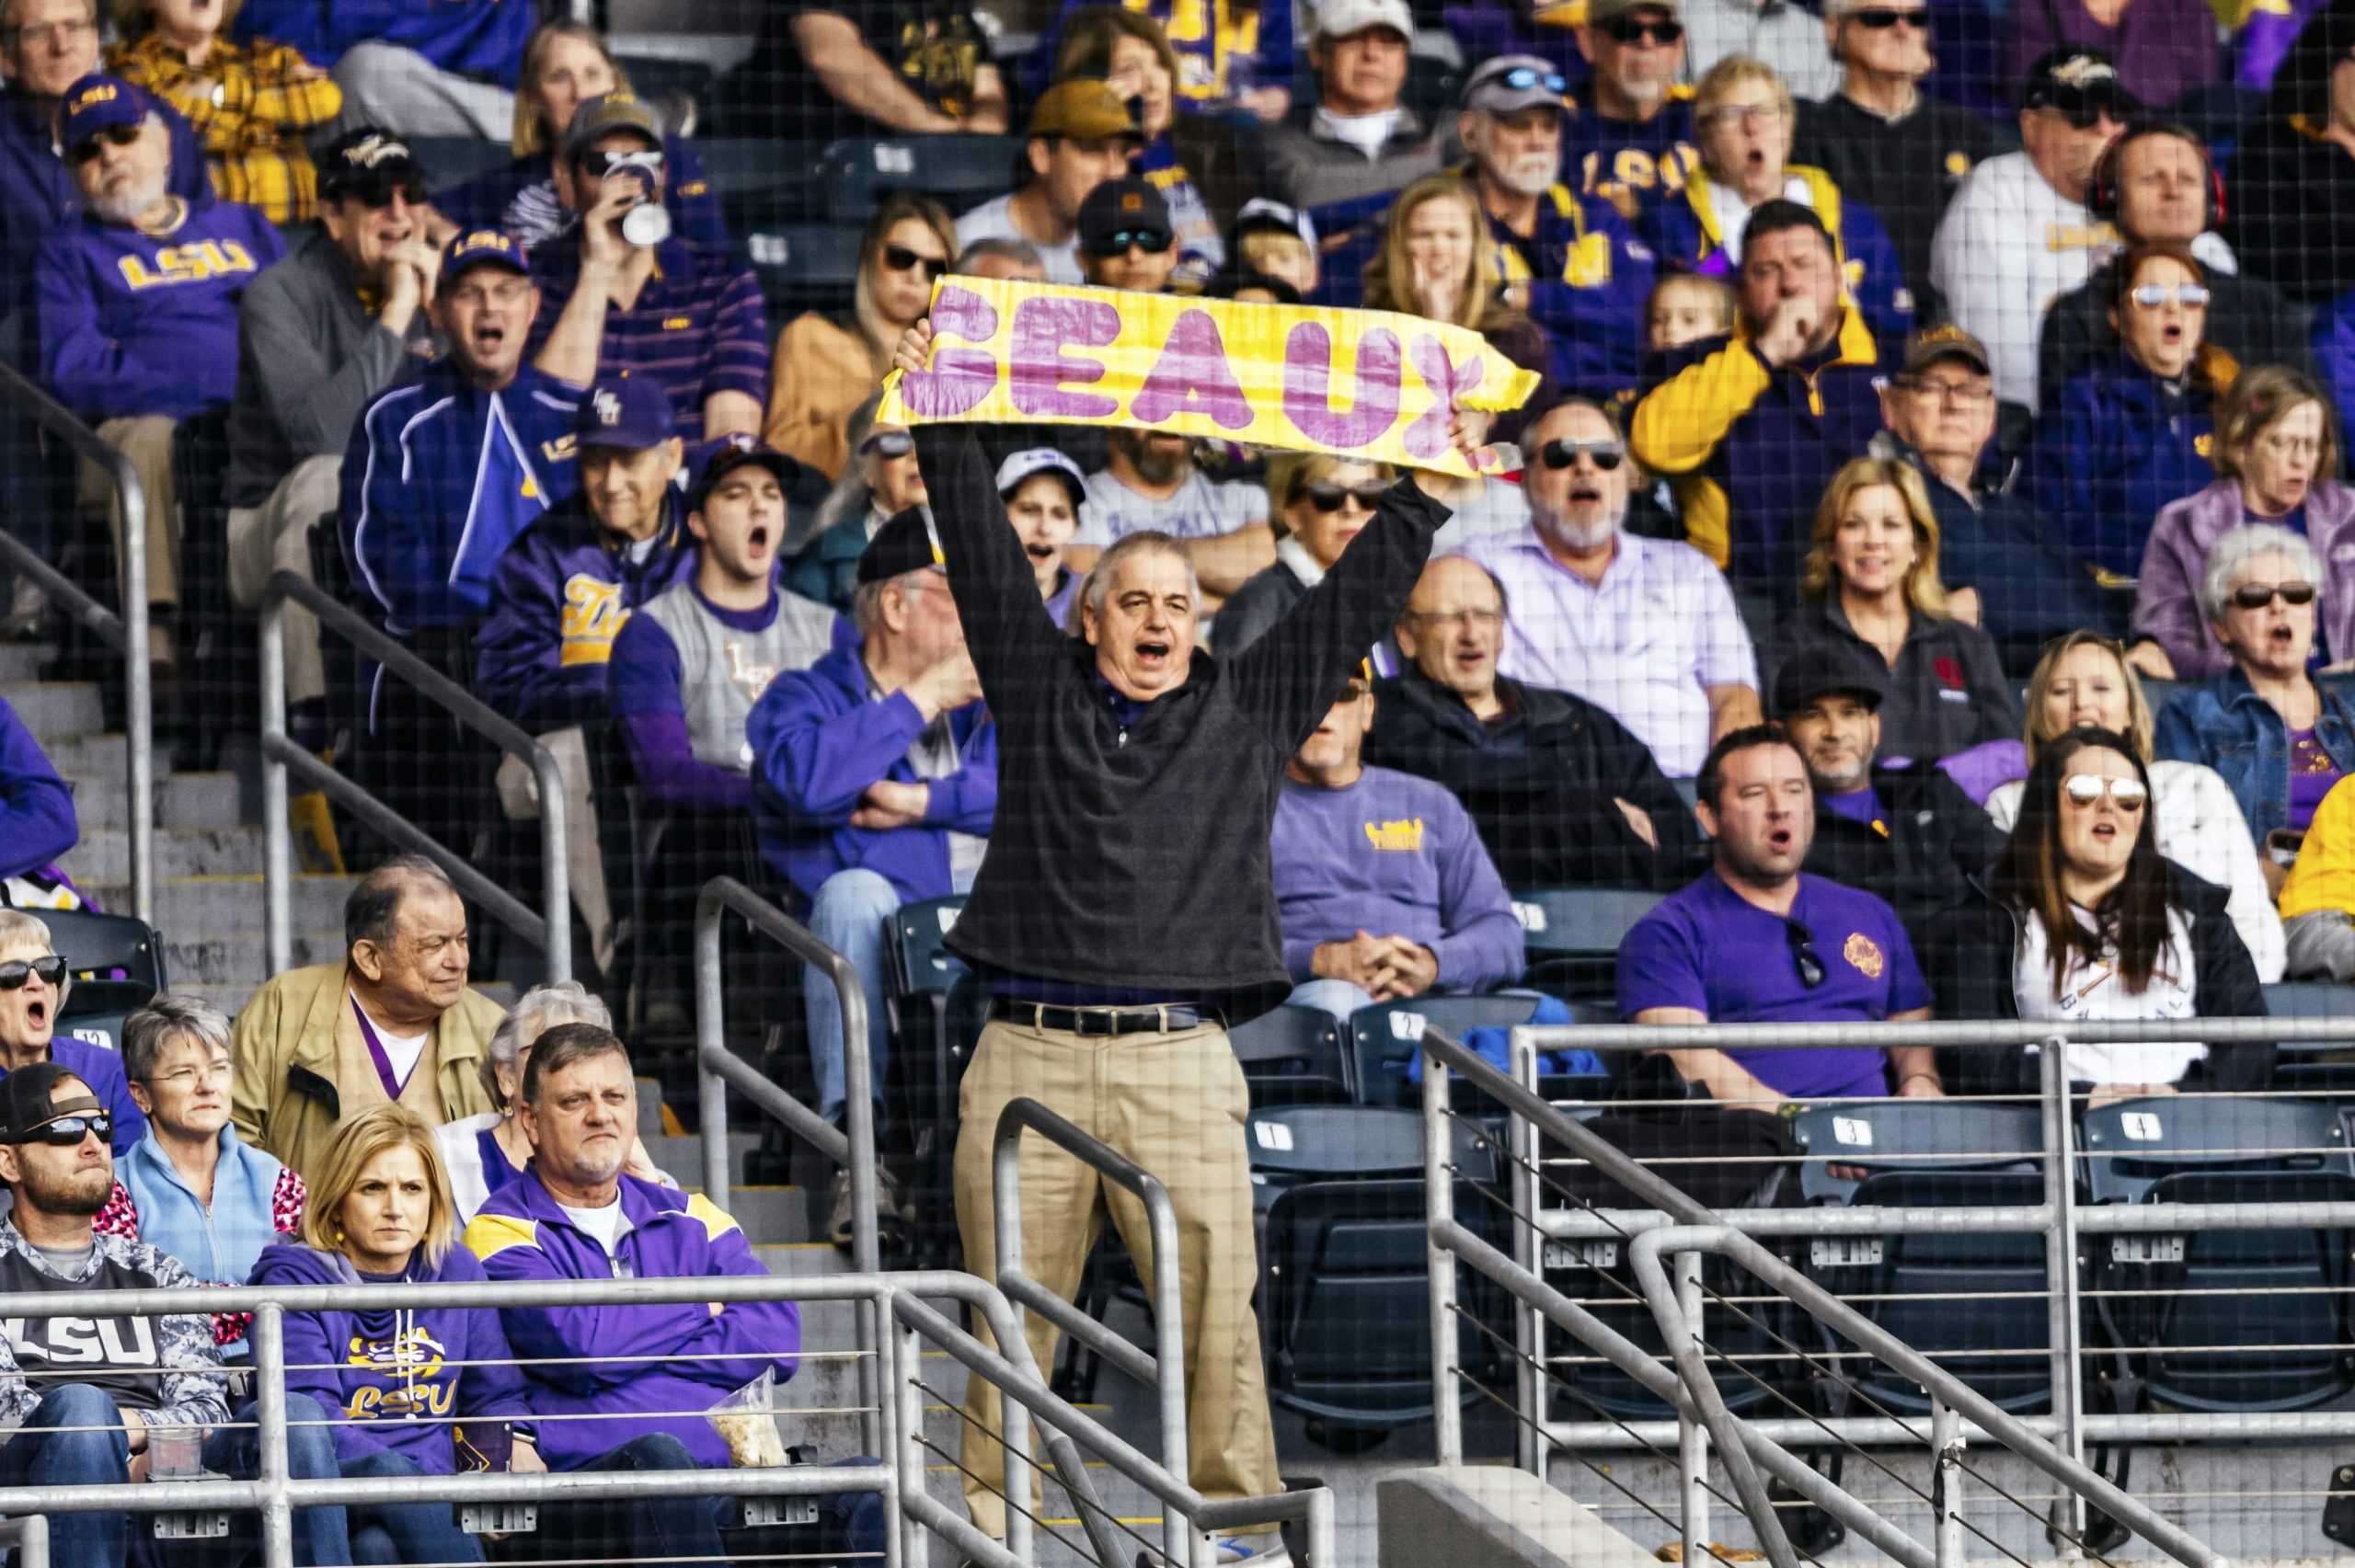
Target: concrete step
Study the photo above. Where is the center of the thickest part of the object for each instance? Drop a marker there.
(93, 754)
(56, 707)
(185, 800)
(21, 662)
(190, 904)
(684, 1156)
(210, 956)
(103, 856)
(770, 1215)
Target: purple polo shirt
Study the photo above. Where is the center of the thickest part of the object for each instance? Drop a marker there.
(1707, 948)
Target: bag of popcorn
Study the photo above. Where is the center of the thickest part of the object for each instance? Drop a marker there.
(746, 1422)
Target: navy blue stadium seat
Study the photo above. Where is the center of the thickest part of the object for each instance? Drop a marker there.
(452, 161)
(1385, 1037)
(1293, 1055)
(2305, 1067)
(800, 265)
(1572, 934)
(960, 172)
(116, 962)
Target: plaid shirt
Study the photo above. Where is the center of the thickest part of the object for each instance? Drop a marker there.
(250, 104)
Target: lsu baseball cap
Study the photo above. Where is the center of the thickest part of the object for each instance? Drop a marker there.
(95, 103)
(617, 110)
(29, 1102)
(1022, 465)
(1264, 214)
(1085, 109)
(741, 451)
(1514, 81)
(482, 247)
(2079, 83)
(903, 545)
(630, 412)
(1340, 18)
(368, 162)
(1945, 341)
(1131, 205)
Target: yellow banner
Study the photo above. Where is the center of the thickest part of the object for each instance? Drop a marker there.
(1364, 384)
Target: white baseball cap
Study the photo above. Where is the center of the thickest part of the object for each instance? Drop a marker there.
(1340, 19)
(1037, 460)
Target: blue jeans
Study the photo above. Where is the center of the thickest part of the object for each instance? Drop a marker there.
(1338, 998)
(851, 914)
(320, 1539)
(684, 1531)
(404, 1532)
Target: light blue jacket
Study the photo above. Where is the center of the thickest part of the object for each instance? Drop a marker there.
(2226, 726)
(219, 1247)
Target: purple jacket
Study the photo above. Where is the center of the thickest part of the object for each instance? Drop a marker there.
(37, 820)
(647, 1359)
(2167, 603)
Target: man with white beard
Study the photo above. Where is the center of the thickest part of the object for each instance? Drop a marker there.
(1644, 628)
(137, 311)
(1570, 260)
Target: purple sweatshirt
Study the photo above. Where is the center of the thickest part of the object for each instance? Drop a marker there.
(37, 821)
(1397, 856)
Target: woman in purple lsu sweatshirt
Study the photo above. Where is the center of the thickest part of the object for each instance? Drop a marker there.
(416, 1387)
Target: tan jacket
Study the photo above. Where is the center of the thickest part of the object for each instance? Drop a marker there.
(819, 375)
(284, 1098)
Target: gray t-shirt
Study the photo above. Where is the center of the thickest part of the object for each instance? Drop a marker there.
(994, 219)
(1200, 508)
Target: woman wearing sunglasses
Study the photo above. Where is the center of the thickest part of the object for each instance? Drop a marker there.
(2132, 430)
(1870, 582)
(2083, 920)
(33, 986)
(1322, 502)
(826, 365)
(2278, 736)
(2277, 453)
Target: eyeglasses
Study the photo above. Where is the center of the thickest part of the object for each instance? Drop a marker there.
(1520, 78)
(55, 34)
(2150, 296)
(1627, 30)
(1449, 619)
(1748, 116)
(2248, 596)
(1561, 454)
(16, 971)
(66, 1132)
(888, 444)
(112, 135)
(1153, 241)
(900, 258)
(2084, 789)
(1881, 18)
(1970, 394)
(597, 164)
(1803, 952)
(1326, 496)
(188, 1077)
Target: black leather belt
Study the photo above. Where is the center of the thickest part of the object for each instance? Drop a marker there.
(1147, 1020)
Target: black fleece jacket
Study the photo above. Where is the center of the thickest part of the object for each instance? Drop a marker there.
(1133, 852)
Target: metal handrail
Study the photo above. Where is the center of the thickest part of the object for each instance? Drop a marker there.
(1164, 1371)
(1699, 1229)
(550, 931)
(718, 1069)
(127, 633)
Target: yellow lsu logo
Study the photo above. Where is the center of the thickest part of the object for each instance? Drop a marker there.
(1401, 837)
(197, 263)
(594, 617)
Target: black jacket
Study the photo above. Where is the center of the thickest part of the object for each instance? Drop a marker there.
(2290, 219)
(1970, 953)
(1132, 852)
(1948, 693)
(1540, 783)
(1937, 840)
(2246, 318)
(1905, 172)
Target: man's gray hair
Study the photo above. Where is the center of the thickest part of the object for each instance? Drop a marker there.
(373, 912)
(2233, 553)
(1150, 541)
(866, 600)
(561, 1048)
(163, 1018)
(1021, 252)
(535, 1012)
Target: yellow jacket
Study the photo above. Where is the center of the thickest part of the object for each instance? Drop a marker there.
(2324, 876)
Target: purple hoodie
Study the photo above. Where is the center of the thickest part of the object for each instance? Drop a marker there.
(2167, 603)
(398, 1377)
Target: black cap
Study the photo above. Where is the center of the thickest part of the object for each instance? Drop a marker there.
(1817, 672)
(1121, 206)
(741, 451)
(27, 1100)
(366, 160)
(2077, 82)
(903, 545)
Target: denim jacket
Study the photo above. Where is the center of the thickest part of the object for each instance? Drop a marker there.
(2226, 726)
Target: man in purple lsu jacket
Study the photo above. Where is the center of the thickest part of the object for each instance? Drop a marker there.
(624, 1388)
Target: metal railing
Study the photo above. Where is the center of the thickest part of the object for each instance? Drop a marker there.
(550, 931)
(1164, 1371)
(1676, 1224)
(718, 1069)
(126, 633)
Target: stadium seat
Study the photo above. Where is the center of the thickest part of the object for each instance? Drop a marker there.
(1974, 1303)
(1385, 1037)
(801, 266)
(1572, 937)
(959, 171)
(924, 972)
(2323, 1067)
(1293, 1055)
(116, 962)
(450, 161)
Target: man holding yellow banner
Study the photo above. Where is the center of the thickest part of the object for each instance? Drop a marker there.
(1125, 918)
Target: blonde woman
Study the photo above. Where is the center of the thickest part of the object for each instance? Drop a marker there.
(1437, 261)
(1870, 580)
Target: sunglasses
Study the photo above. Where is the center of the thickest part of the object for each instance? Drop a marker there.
(900, 258)
(1803, 953)
(2150, 296)
(1627, 30)
(1880, 19)
(890, 443)
(1326, 496)
(1153, 241)
(112, 135)
(597, 165)
(2248, 596)
(66, 1132)
(1561, 454)
(1520, 78)
(377, 194)
(16, 971)
(2082, 116)
(2084, 789)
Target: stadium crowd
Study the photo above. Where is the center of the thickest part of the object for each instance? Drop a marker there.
(1920, 568)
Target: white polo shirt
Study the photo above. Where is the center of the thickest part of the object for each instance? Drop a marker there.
(1642, 644)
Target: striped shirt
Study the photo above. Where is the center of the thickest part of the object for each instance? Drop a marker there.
(699, 325)
(250, 104)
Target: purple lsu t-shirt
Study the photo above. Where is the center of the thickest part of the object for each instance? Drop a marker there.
(1705, 947)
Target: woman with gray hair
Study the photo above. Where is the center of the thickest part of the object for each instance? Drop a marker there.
(879, 482)
(483, 1153)
(2278, 735)
(197, 1191)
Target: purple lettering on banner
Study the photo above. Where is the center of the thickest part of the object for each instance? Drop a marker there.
(1192, 376)
(1426, 437)
(958, 378)
(1037, 370)
(1308, 397)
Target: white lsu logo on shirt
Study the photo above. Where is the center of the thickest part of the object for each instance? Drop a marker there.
(85, 1342)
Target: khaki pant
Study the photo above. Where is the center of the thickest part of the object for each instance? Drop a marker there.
(1176, 1104)
(276, 536)
(519, 795)
(147, 440)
